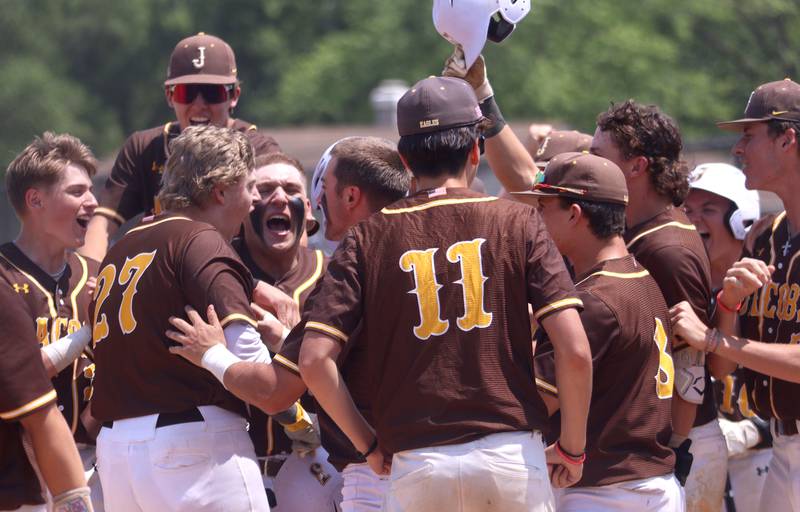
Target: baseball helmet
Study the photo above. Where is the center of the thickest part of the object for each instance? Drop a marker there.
(728, 181)
(470, 22)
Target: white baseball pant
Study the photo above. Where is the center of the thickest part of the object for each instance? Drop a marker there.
(307, 483)
(705, 487)
(748, 472)
(782, 486)
(200, 466)
(656, 494)
(363, 490)
(505, 471)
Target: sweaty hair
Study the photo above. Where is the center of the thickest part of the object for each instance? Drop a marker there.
(643, 130)
(41, 164)
(200, 158)
(605, 219)
(373, 165)
(442, 152)
(777, 127)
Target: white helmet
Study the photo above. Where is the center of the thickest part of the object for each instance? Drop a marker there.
(470, 22)
(728, 181)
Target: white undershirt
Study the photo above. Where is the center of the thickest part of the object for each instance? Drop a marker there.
(244, 341)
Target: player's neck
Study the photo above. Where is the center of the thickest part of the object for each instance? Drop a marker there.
(644, 207)
(444, 181)
(48, 254)
(791, 200)
(593, 251)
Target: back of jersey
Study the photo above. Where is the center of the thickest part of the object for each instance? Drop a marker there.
(442, 281)
(151, 274)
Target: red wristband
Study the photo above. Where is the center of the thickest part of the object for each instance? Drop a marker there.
(569, 459)
(726, 308)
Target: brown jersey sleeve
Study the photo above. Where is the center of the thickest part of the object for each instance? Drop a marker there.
(23, 381)
(679, 275)
(550, 287)
(212, 273)
(289, 356)
(124, 188)
(339, 314)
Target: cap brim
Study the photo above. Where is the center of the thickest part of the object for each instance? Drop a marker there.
(202, 79)
(538, 193)
(738, 124)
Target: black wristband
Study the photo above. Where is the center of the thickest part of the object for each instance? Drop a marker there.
(372, 448)
(491, 111)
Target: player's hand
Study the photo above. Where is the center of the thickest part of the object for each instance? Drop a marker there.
(562, 474)
(687, 327)
(278, 303)
(742, 279)
(456, 66)
(272, 331)
(379, 462)
(196, 337)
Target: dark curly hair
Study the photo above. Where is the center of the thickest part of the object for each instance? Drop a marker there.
(644, 130)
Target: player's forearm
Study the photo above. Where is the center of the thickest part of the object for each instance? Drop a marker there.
(251, 382)
(781, 361)
(54, 450)
(510, 161)
(98, 234)
(683, 415)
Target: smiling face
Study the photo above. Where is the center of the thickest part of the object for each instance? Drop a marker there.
(707, 212)
(64, 209)
(200, 112)
(272, 220)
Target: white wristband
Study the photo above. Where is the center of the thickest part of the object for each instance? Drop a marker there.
(217, 360)
(64, 351)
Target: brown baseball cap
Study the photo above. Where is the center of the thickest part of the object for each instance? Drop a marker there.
(774, 100)
(582, 176)
(561, 141)
(437, 103)
(202, 59)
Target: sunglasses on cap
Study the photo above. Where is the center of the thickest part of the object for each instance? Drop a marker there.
(212, 93)
(555, 189)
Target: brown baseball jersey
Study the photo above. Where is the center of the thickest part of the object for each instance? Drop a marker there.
(57, 307)
(150, 274)
(445, 314)
(269, 437)
(24, 389)
(670, 248)
(135, 178)
(630, 415)
(771, 314)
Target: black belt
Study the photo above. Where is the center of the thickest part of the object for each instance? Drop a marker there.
(786, 427)
(166, 419)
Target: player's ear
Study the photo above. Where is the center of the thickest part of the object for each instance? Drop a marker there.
(575, 214)
(352, 196)
(639, 167)
(218, 194)
(475, 153)
(168, 96)
(33, 199)
(237, 91)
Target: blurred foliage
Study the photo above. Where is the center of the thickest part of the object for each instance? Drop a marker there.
(95, 68)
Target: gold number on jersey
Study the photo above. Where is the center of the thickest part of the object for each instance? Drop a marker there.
(104, 283)
(665, 378)
(427, 291)
(743, 402)
(472, 281)
(131, 273)
(421, 264)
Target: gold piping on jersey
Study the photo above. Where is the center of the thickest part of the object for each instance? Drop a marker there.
(50, 303)
(73, 298)
(30, 406)
(327, 329)
(438, 202)
(560, 304)
(311, 280)
(153, 224)
(233, 317)
(546, 386)
(109, 214)
(286, 363)
(618, 275)
(251, 128)
(673, 224)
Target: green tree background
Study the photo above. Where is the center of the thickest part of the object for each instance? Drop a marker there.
(95, 67)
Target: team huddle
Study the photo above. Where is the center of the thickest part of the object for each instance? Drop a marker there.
(611, 332)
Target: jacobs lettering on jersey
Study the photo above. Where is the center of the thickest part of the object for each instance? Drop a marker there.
(49, 329)
(774, 301)
(22, 288)
(473, 279)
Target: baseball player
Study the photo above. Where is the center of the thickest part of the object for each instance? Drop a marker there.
(561, 141)
(760, 290)
(646, 144)
(49, 186)
(173, 437)
(270, 247)
(629, 465)
(445, 327)
(722, 210)
(202, 88)
(355, 176)
(36, 444)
